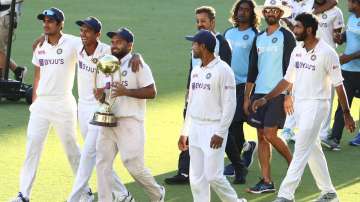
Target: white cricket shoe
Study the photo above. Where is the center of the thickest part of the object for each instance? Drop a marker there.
(120, 197)
(87, 197)
(327, 197)
(20, 198)
(162, 197)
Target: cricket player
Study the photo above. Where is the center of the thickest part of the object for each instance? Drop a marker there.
(314, 66)
(131, 89)
(212, 86)
(89, 50)
(205, 19)
(321, 8)
(240, 36)
(53, 102)
(269, 59)
(350, 68)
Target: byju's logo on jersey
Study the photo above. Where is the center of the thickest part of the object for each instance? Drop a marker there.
(313, 57)
(44, 62)
(59, 51)
(246, 37)
(85, 67)
(208, 76)
(274, 40)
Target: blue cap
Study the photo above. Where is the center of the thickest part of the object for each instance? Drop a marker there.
(53, 13)
(204, 37)
(91, 22)
(124, 33)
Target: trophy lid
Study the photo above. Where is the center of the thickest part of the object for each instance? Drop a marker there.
(108, 64)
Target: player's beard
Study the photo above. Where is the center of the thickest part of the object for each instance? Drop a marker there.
(301, 37)
(120, 53)
(272, 20)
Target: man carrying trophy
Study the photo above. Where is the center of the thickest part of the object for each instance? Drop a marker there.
(129, 92)
(89, 51)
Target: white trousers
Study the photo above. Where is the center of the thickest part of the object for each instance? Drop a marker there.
(309, 115)
(325, 125)
(207, 165)
(37, 131)
(128, 139)
(88, 155)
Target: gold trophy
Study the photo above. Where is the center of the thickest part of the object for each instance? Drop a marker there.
(108, 65)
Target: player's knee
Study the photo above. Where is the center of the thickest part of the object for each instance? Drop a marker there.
(134, 166)
(212, 177)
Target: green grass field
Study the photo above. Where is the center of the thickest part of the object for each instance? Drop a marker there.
(159, 27)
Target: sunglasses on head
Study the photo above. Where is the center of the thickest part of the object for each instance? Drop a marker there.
(48, 12)
(272, 10)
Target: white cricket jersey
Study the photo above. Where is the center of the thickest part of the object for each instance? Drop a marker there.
(299, 7)
(329, 21)
(212, 96)
(57, 67)
(125, 106)
(86, 71)
(312, 73)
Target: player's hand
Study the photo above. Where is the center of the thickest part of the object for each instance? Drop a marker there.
(288, 105)
(246, 106)
(135, 62)
(99, 94)
(216, 142)
(258, 103)
(337, 37)
(345, 58)
(118, 90)
(349, 122)
(182, 143)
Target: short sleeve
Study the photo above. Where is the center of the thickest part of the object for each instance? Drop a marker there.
(35, 59)
(291, 70)
(332, 65)
(339, 20)
(144, 76)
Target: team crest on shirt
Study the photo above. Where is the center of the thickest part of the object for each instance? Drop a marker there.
(208, 76)
(324, 16)
(124, 73)
(274, 40)
(59, 51)
(94, 60)
(246, 37)
(273, 2)
(313, 57)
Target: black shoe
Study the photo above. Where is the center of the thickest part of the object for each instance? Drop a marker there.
(240, 176)
(262, 187)
(19, 73)
(177, 179)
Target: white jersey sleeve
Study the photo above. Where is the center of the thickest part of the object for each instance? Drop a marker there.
(145, 77)
(332, 65)
(228, 100)
(291, 70)
(339, 20)
(35, 59)
(187, 121)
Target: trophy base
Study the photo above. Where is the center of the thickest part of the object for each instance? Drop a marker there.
(104, 119)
